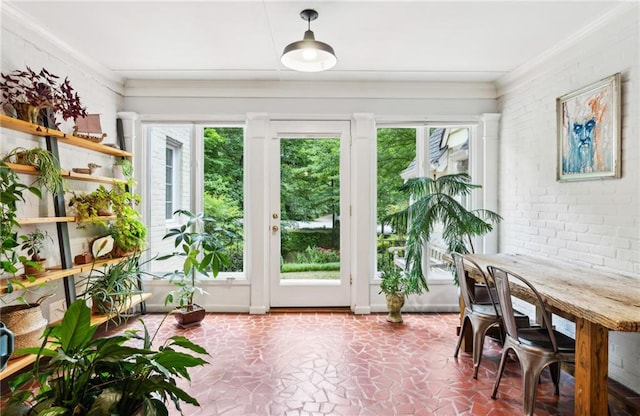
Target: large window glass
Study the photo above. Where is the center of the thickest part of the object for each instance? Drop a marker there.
(405, 153)
(224, 186)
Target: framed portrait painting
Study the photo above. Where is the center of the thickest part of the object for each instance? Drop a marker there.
(589, 131)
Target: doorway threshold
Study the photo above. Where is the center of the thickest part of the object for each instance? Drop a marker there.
(297, 309)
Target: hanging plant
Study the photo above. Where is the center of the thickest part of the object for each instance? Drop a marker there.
(44, 161)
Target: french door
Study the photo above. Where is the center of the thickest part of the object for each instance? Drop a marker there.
(309, 213)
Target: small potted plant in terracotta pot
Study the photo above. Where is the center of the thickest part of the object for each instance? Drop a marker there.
(33, 243)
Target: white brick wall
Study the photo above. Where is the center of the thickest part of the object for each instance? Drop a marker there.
(158, 224)
(596, 223)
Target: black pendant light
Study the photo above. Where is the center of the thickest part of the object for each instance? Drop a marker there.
(308, 54)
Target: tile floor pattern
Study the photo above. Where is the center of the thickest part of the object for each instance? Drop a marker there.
(342, 364)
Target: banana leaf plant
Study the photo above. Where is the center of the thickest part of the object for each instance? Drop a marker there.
(102, 376)
(437, 202)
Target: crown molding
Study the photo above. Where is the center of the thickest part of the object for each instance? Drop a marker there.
(16, 22)
(536, 66)
(302, 89)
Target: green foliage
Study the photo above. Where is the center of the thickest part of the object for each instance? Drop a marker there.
(226, 212)
(223, 166)
(11, 192)
(295, 240)
(396, 151)
(310, 178)
(48, 166)
(317, 255)
(201, 243)
(309, 267)
(435, 201)
(34, 243)
(235, 255)
(126, 166)
(113, 285)
(102, 376)
(394, 281)
(89, 206)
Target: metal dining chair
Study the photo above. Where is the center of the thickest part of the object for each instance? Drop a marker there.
(536, 348)
(480, 310)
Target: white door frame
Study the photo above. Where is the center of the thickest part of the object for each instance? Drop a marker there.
(309, 293)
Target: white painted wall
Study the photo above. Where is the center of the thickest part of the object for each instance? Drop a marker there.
(595, 223)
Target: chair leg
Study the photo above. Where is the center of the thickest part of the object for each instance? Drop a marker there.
(503, 360)
(478, 346)
(465, 321)
(554, 368)
(530, 378)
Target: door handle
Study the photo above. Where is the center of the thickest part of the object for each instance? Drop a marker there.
(275, 228)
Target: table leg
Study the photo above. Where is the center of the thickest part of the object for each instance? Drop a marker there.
(592, 368)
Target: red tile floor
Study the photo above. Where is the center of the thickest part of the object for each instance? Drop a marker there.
(342, 364)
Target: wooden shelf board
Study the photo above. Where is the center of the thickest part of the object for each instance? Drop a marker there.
(17, 364)
(55, 273)
(34, 129)
(44, 220)
(26, 169)
(90, 178)
(135, 300)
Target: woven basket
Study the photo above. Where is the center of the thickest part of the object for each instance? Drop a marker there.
(26, 322)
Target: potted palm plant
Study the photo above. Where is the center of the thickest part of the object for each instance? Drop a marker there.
(437, 201)
(101, 376)
(201, 244)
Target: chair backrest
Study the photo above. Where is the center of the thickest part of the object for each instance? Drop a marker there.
(501, 278)
(467, 290)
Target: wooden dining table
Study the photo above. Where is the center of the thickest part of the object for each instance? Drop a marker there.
(597, 301)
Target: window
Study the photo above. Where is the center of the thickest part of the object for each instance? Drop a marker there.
(172, 177)
(223, 187)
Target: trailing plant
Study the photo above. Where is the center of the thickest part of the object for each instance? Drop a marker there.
(201, 243)
(126, 167)
(42, 89)
(103, 376)
(11, 192)
(436, 201)
(48, 166)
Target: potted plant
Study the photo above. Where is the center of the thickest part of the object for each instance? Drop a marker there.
(47, 165)
(128, 231)
(201, 244)
(33, 243)
(111, 286)
(29, 92)
(436, 201)
(122, 168)
(11, 192)
(394, 284)
(103, 376)
(90, 206)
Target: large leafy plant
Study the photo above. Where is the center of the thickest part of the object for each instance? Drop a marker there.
(201, 245)
(437, 202)
(102, 376)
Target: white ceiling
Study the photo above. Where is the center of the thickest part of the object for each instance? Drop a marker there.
(373, 40)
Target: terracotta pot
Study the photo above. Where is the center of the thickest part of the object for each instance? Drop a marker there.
(34, 271)
(187, 317)
(395, 302)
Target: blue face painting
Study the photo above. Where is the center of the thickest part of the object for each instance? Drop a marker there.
(581, 151)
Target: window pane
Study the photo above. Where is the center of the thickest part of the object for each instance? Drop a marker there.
(396, 158)
(224, 186)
